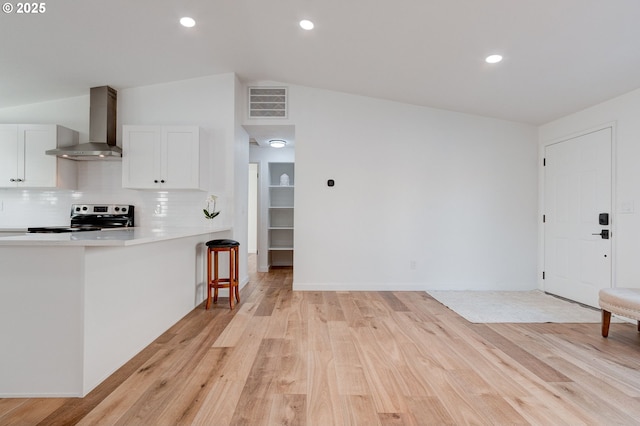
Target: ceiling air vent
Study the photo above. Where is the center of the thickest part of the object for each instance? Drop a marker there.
(267, 102)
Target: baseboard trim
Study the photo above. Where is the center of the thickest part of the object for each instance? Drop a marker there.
(359, 286)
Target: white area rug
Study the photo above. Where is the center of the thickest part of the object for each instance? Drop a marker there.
(515, 306)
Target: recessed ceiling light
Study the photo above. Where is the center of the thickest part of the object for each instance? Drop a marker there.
(277, 143)
(305, 24)
(187, 22)
(493, 59)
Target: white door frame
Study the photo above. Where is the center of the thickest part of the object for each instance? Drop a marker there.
(255, 213)
(541, 196)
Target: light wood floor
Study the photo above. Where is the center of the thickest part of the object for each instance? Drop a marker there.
(359, 358)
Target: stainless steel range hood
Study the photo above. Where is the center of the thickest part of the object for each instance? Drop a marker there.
(102, 129)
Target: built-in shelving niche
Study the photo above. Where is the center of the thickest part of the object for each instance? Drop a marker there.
(281, 207)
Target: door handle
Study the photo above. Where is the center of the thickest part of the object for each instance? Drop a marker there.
(604, 234)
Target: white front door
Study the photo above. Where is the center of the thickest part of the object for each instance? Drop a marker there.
(577, 196)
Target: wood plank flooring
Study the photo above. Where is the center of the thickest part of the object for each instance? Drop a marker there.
(357, 358)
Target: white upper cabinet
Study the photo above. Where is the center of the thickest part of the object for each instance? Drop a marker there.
(161, 157)
(23, 162)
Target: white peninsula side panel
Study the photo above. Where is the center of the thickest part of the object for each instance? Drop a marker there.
(156, 285)
(41, 325)
(74, 309)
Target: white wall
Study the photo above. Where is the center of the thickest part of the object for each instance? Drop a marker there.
(252, 226)
(424, 198)
(623, 111)
(239, 161)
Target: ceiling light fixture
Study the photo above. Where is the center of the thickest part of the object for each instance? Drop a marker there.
(493, 59)
(277, 143)
(305, 24)
(187, 22)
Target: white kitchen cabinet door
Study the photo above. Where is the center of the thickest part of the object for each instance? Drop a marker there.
(8, 155)
(23, 162)
(141, 157)
(161, 157)
(36, 168)
(181, 146)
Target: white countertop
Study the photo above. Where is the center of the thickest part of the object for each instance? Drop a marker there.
(108, 237)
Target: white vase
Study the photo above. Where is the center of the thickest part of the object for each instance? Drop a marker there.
(284, 180)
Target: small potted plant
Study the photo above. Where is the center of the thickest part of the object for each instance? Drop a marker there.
(210, 212)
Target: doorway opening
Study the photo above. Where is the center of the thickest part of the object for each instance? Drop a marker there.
(275, 195)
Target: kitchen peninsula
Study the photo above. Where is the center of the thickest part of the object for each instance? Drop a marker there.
(75, 307)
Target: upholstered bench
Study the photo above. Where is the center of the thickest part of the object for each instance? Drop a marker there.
(620, 301)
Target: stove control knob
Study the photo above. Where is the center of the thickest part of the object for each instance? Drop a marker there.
(84, 208)
(77, 209)
(124, 209)
(117, 209)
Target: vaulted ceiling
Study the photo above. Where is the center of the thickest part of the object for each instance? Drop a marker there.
(560, 56)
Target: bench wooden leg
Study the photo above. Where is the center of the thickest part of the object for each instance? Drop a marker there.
(606, 320)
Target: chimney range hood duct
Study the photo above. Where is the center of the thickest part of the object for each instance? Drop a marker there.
(102, 129)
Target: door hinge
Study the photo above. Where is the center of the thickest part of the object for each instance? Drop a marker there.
(544, 218)
(544, 162)
(543, 275)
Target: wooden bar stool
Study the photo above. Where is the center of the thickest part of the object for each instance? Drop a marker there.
(215, 247)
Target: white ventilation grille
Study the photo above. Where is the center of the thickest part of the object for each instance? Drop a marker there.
(267, 102)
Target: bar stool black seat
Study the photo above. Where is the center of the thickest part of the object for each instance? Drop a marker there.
(216, 247)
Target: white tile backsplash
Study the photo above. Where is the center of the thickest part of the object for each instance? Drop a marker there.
(101, 182)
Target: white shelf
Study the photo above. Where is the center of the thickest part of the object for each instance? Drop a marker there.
(278, 169)
(281, 196)
(281, 205)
